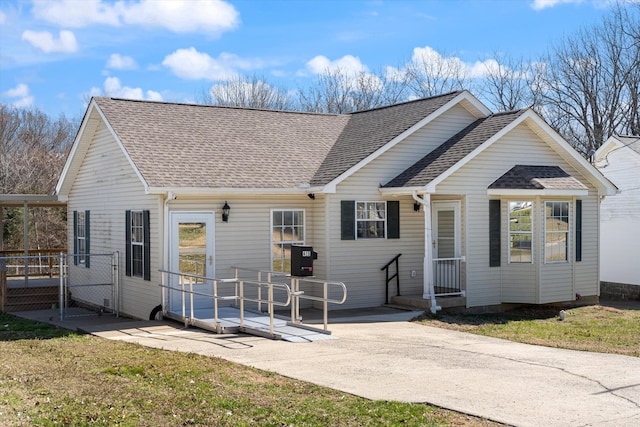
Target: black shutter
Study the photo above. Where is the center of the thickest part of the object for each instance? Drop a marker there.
(393, 219)
(147, 245)
(494, 233)
(87, 240)
(348, 219)
(578, 230)
(75, 237)
(127, 250)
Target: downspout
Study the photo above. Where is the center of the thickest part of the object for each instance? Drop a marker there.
(428, 287)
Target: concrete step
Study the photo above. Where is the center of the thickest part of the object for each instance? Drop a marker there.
(417, 302)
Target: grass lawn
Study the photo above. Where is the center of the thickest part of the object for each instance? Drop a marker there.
(591, 328)
(50, 377)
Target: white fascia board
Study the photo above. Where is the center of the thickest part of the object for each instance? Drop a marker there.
(200, 191)
(481, 111)
(608, 145)
(74, 148)
(533, 193)
(604, 186)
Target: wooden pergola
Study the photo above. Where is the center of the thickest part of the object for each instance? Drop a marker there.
(26, 201)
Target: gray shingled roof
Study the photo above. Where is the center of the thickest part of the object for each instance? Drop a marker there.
(368, 131)
(632, 142)
(452, 151)
(526, 177)
(184, 145)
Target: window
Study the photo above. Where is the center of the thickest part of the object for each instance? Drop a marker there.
(520, 232)
(81, 238)
(287, 228)
(556, 232)
(371, 219)
(137, 244)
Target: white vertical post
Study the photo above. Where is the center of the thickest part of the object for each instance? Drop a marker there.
(25, 237)
(61, 273)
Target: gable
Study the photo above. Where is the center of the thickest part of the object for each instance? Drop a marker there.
(91, 123)
(456, 153)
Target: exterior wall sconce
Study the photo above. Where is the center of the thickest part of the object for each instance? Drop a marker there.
(312, 196)
(416, 207)
(225, 212)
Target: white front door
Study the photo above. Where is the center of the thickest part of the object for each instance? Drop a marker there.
(191, 243)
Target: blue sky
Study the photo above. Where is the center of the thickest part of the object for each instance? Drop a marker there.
(56, 54)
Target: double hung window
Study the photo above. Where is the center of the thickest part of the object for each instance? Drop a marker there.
(520, 232)
(556, 232)
(287, 229)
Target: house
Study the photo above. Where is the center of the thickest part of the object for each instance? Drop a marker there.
(489, 208)
(619, 160)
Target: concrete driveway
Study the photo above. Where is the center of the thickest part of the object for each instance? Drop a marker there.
(386, 357)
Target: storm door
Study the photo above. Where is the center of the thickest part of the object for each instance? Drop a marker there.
(191, 253)
(446, 246)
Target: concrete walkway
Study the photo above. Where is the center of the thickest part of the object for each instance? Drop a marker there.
(383, 356)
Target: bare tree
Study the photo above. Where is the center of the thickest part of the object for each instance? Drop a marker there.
(588, 88)
(507, 83)
(431, 73)
(338, 91)
(33, 149)
(247, 92)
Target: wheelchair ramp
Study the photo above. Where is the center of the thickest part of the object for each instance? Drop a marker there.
(255, 324)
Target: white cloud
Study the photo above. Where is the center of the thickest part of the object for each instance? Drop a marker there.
(44, 41)
(112, 87)
(543, 4)
(206, 16)
(431, 62)
(22, 92)
(3, 17)
(120, 62)
(193, 65)
(348, 64)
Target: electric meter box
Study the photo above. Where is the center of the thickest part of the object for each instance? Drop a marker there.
(302, 260)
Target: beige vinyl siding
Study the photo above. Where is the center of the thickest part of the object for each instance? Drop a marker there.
(587, 272)
(357, 263)
(106, 167)
(245, 240)
(517, 282)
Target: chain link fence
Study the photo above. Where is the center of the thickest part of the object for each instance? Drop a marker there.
(77, 285)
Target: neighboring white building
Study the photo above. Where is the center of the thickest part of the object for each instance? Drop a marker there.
(499, 199)
(619, 160)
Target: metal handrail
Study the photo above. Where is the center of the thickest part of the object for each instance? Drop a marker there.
(298, 295)
(390, 278)
(239, 296)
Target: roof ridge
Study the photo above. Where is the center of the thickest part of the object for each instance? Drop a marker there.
(226, 107)
(382, 107)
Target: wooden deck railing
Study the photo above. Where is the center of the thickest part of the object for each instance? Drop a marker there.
(16, 264)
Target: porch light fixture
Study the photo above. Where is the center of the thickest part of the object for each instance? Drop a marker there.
(416, 207)
(225, 212)
(312, 196)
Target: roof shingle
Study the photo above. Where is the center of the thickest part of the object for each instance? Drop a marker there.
(452, 151)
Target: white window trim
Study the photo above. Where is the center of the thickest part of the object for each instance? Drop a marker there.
(81, 237)
(386, 215)
(291, 242)
(136, 243)
(567, 232)
(509, 233)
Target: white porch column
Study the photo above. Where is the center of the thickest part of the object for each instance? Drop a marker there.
(428, 291)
